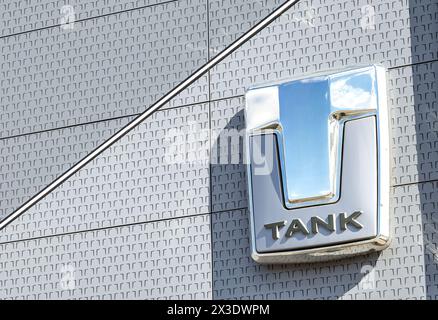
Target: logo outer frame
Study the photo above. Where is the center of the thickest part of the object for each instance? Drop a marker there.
(334, 252)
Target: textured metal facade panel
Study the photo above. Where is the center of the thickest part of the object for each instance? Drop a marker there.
(414, 96)
(295, 46)
(228, 174)
(397, 273)
(130, 182)
(31, 162)
(21, 16)
(109, 66)
(231, 18)
(188, 223)
(163, 259)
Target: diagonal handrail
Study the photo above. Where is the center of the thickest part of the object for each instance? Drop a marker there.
(157, 105)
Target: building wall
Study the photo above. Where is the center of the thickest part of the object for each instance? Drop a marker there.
(132, 224)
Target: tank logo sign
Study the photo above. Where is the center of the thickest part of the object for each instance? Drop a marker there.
(318, 166)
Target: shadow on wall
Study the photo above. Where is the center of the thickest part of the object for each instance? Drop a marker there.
(424, 38)
(236, 275)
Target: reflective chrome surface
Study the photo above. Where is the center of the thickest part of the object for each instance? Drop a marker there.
(327, 193)
(311, 113)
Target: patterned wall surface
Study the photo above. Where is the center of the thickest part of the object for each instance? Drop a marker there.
(133, 224)
(22, 16)
(109, 66)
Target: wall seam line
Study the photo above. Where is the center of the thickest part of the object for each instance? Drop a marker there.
(114, 118)
(87, 19)
(121, 226)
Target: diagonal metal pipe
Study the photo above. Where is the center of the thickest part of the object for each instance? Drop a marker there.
(157, 105)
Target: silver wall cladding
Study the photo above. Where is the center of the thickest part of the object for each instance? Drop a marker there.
(109, 66)
(163, 259)
(133, 181)
(319, 36)
(24, 16)
(129, 199)
(30, 162)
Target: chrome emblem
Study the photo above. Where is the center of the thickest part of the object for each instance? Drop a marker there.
(318, 174)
